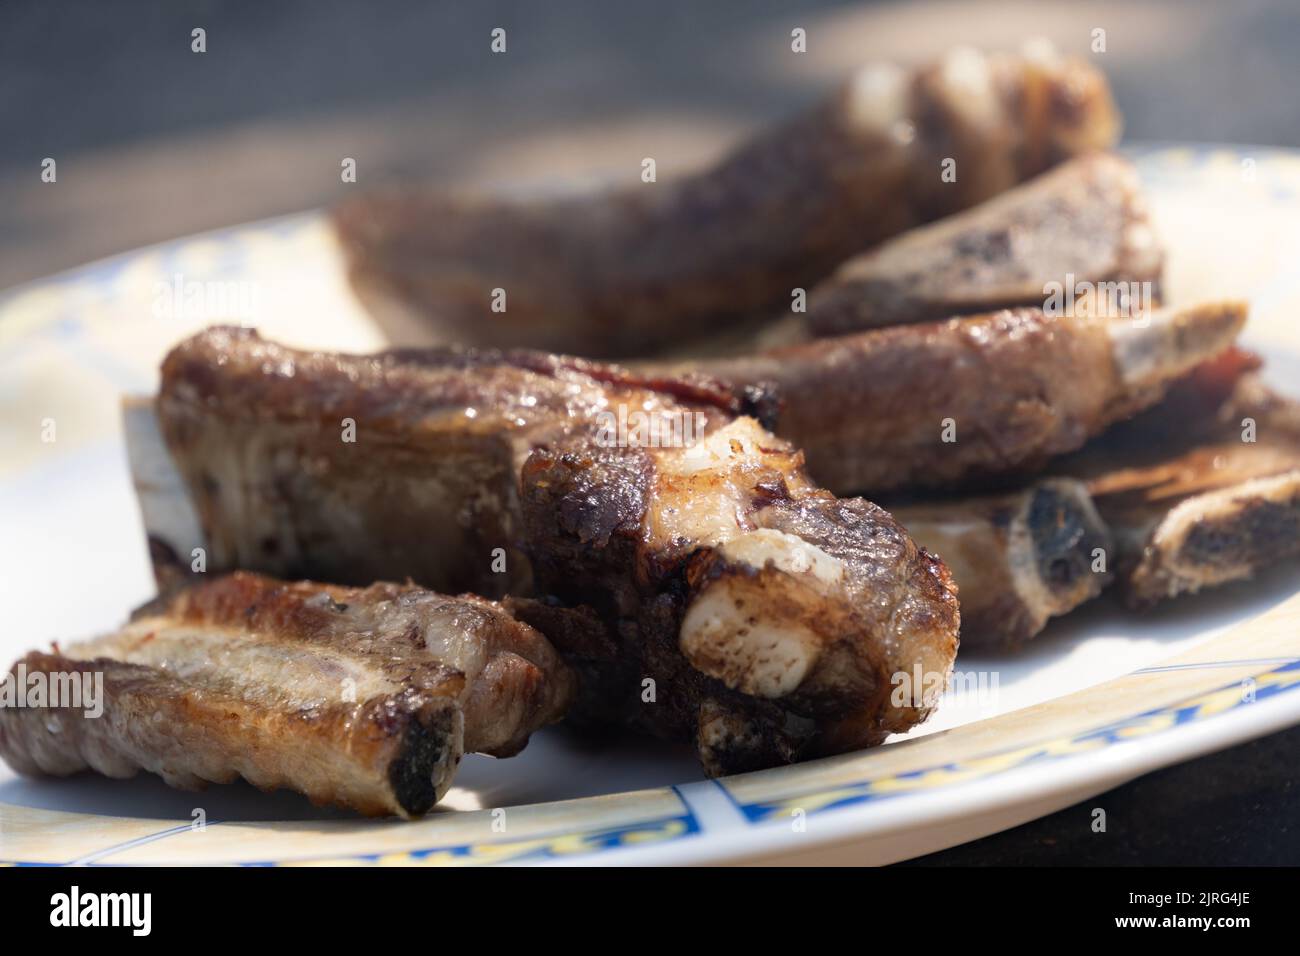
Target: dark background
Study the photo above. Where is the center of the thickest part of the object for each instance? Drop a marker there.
(154, 141)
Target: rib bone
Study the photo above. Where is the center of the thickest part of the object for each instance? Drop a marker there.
(1192, 503)
(1018, 558)
(939, 404)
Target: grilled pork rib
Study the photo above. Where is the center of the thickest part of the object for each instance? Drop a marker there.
(768, 617)
(404, 464)
(1191, 501)
(1084, 222)
(362, 698)
(628, 272)
(939, 403)
(771, 616)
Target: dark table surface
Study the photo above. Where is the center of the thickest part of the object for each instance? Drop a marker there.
(154, 141)
(1240, 807)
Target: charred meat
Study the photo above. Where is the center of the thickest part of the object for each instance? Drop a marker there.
(767, 616)
(1203, 489)
(942, 403)
(360, 698)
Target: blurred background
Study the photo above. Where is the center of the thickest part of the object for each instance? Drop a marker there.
(154, 141)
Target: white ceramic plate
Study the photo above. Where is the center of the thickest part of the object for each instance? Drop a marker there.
(1098, 699)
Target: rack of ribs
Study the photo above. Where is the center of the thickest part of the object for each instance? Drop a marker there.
(737, 604)
(358, 697)
(632, 271)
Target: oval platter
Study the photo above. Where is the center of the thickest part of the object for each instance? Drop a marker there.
(1100, 698)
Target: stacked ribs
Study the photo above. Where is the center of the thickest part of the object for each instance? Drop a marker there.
(677, 546)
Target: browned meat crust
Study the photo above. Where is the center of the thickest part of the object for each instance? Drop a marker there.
(362, 698)
(1083, 222)
(258, 432)
(770, 616)
(1018, 558)
(938, 404)
(1193, 505)
(626, 273)
(776, 636)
